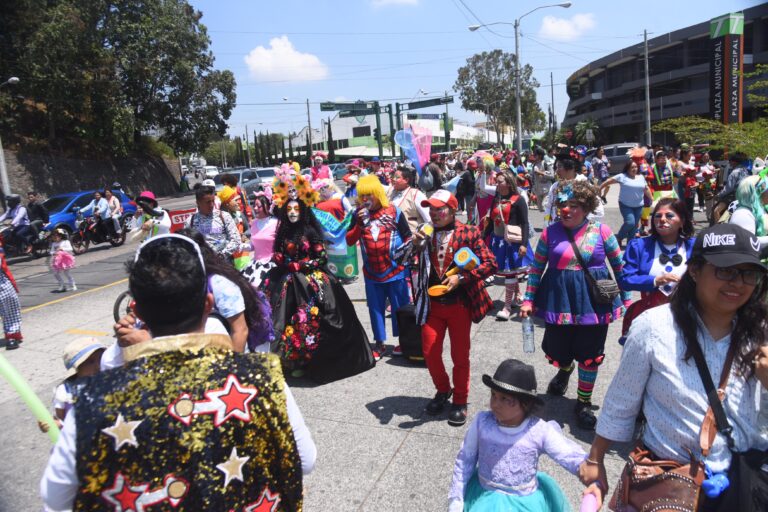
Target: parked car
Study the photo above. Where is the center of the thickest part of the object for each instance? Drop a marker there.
(338, 170)
(61, 208)
(265, 176)
(617, 154)
(243, 176)
(211, 171)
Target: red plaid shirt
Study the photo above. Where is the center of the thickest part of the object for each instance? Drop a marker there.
(391, 230)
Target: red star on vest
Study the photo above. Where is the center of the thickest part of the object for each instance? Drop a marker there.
(231, 401)
(127, 498)
(267, 502)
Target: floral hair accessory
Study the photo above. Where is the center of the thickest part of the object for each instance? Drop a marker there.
(565, 194)
(297, 188)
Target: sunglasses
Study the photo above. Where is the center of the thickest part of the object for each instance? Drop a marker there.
(668, 215)
(749, 276)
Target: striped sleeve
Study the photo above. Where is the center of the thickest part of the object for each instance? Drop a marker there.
(537, 269)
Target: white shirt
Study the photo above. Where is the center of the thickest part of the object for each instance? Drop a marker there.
(399, 195)
(654, 377)
(59, 484)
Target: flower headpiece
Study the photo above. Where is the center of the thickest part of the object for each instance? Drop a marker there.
(762, 185)
(297, 188)
(565, 194)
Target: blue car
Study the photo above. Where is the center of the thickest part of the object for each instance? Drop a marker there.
(61, 208)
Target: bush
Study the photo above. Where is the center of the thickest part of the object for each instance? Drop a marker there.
(153, 147)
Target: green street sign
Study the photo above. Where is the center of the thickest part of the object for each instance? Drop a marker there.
(730, 24)
(357, 113)
(359, 105)
(429, 103)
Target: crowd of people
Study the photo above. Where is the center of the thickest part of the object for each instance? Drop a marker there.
(251, 291)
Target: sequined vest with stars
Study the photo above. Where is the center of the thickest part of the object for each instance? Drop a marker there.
(192, 430)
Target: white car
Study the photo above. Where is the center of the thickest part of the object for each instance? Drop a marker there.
(211, 171)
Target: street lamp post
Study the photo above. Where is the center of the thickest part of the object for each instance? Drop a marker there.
(3, 171)
(518, 112)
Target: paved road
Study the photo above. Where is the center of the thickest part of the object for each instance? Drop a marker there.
(377, 450)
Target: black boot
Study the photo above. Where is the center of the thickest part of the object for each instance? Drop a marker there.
(585, 418)
(437, 404)
(559, 383)
(458, 415)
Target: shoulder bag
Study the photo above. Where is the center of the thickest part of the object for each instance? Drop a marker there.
(512, 234)
(648, 484)
(602, 291)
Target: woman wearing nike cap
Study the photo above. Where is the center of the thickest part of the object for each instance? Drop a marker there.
(718, 309)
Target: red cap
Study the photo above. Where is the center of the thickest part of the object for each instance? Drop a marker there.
(434, 156)
(472, 164)
(441, 198)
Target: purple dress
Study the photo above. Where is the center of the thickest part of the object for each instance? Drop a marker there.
(496, 468)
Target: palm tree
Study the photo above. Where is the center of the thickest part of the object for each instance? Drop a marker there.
(580, 131)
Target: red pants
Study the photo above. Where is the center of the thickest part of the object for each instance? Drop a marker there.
(457, 319)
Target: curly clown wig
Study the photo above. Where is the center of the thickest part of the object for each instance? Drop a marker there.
(371, 186)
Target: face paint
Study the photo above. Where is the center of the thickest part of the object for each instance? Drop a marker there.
(293, 212)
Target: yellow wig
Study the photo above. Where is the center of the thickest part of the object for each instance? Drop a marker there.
(371, 186)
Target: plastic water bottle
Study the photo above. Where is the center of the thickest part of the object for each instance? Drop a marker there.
(529, 343)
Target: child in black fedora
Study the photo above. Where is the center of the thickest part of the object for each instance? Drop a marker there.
(496, 468)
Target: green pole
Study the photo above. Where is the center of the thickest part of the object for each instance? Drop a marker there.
(378, 128)
(391, 130)
(398, 120)
(447, 128)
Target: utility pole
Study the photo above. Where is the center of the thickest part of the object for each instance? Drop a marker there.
(247, 146)
(391, 132)
(309, 132)
(647, 93)
(518, 113)
(399, 122)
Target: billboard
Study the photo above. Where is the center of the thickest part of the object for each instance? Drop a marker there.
(726, 35)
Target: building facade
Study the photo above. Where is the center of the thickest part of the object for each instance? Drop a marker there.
(611, 90)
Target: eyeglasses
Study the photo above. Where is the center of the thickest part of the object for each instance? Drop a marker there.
(749, 276)
(171, 237)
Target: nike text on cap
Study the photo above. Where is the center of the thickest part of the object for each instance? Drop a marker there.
(727, 245)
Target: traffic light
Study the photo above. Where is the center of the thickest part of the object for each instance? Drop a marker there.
(376, 133)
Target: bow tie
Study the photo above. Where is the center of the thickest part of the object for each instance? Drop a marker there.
(676, 259)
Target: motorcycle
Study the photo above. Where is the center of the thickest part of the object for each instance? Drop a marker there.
(91, 231)
(14, 245)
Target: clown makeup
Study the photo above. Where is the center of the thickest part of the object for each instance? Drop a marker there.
(441, 217)
(668, 224)
(293, 211)
(326, 193)
(572, 213)
(367, 201)
(398, 181)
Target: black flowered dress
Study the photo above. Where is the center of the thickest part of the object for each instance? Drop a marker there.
(315, 323)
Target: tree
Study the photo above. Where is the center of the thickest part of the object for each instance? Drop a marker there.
(309, 148)
(290, 146)
(282, 148)
(487, 83)
(581, 128)
(331, 151)
(98, 74)
(749, 138)
(756, 91)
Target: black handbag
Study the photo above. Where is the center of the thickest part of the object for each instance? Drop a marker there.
(748, 474)
(602, 291)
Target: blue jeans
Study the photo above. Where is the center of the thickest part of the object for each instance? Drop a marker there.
(376, 295)
(631, 216)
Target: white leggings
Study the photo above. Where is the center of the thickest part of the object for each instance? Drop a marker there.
(70, 280)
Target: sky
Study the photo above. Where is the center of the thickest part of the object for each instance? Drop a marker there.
(286, 52)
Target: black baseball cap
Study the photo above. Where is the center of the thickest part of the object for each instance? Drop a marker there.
(727, 245)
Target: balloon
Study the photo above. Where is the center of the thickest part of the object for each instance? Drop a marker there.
(33, 402)
(405, 139)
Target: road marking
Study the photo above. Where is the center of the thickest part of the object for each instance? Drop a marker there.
(85, 332)
(50, 303)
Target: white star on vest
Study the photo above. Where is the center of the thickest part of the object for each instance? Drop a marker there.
(123, 432)
(232, 467)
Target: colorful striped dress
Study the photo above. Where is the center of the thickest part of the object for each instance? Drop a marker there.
(560, 295)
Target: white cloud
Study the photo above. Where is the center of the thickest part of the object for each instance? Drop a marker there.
(564, 29)
(385, 3)
(340, 99)
(281, 61)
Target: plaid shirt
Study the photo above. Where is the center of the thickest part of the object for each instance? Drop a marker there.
(479, 300)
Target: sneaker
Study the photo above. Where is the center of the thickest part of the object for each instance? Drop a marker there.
(437, 404)
(379, 351)
(73, 288)
(585, 418)
(397, 351)
(503, 315)
(559, 383)
(61, 289)
(458, 415)
(12, 344)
